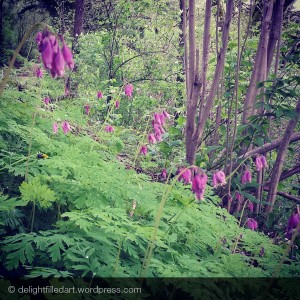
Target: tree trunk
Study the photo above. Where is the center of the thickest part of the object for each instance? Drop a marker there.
(275, 31)
(204, 111)
(259, 62)
(78, 21)
(281, 154)
(78, 25)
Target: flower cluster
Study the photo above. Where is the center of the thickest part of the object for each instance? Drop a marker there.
(292, 225)
(219, 178)
(251, 224)
(54, 58)
(64, 125)
(157, 124)
(128, 89)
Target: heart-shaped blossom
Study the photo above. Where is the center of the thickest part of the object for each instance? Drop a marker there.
(151, 138)
(128, 89)
(65, 127)
(251, 224)
(46, 100)
(199, 185)
(67, 54)
(55, 128)
(144, 150)
(99, 95)
(109, 128)
(292, 225)
(246, 177)
(219, 178)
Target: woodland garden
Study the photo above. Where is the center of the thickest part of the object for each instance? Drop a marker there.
(151, 140)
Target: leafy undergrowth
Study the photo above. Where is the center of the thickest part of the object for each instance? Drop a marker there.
(75, 217)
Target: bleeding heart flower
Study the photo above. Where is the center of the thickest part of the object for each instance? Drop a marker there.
(65, 127)
(199, 185)
(128, 89)
(292, 225)
(246, 177)
(46, 100)
(99, 95)
(55, 128)
(251, 224)
(109, 129)
(151, 138)
(164, 174)
(117, 104)
(144, 150)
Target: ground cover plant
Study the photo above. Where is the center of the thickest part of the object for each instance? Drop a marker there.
(123, 156)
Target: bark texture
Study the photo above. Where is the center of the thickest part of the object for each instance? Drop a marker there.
(194, 132)
(281, 154)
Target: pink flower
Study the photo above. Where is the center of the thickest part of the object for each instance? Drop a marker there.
(251, 206)
(46, 100)
(128, 89)
(164, 173)
(166, 114)
(199, 185)
(157, 119)
(151, 138)
(55, 128)
(158, 136)
(162, 119)
(53, 57)
(117, 104)
(47, 53)
(258, 163)
(238, 197)
(144, 150)
(186, 176)
(263, 161)
(246, 177)
(59, 64)
(292, 225)
(219, 178)
(251, 224)
(65, 127)
(109, 129)
(39, 73)
(99, 95)
(87, 109)
(67, 54)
